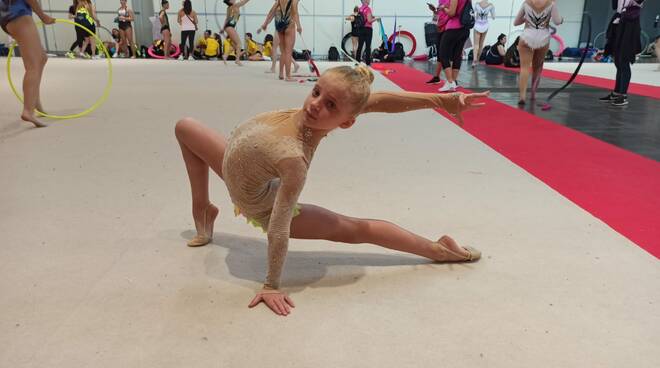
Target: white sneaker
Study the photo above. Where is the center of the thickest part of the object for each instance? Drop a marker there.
(180, 58)
(448, 87)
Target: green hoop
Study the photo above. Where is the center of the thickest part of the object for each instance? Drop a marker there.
(99, 102)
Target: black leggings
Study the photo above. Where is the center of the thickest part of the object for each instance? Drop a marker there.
(80, 37)
(190, 37)
(452, 43)
(364, 40)
(623, 75)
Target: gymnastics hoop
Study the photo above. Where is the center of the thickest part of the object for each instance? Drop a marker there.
(99, 102)
(410, 36)
(177, 52)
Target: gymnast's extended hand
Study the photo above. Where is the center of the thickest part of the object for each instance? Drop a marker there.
(276, 300)
(463, 102)
(396, 102)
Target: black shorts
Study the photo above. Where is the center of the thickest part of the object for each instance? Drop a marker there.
(125, 25)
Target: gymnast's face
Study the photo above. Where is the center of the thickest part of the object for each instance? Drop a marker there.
(327, 106)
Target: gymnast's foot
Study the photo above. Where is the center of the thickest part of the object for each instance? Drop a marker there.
(29, 117)
(290, 79)
(238, 62)
(204, 221)
(449, 251)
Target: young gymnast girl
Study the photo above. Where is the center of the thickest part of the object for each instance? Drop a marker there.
(287, 22)
(264, 166)
(233, 14)
(16, 20)
(534, 41)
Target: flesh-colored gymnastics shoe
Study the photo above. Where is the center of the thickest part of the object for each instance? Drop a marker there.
(207, 235)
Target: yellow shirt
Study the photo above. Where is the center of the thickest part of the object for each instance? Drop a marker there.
(268, 49)
(212, 47)
(228, 49)
(252, 47)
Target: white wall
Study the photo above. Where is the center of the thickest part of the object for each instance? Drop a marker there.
(322, 20)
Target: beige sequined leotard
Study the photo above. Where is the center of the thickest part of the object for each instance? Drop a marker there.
(264, 168)
(266, 162)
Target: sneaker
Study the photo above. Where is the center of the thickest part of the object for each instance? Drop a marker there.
(70, 55)
(608, 98)
(620, 100)
(180, 58)
(434, 80)
(448, 87)
(96, 57)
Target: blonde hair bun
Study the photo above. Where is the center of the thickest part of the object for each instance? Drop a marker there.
(365, 72)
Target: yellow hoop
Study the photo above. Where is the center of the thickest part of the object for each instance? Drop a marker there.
(96, 105)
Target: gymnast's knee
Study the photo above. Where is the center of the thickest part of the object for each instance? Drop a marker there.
(183, 126)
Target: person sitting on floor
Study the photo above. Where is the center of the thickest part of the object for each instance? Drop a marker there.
(495, 54)
(254, 50)
(207, 48)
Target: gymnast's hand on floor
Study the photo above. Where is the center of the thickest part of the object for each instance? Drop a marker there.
(462, 102)
(276, 300)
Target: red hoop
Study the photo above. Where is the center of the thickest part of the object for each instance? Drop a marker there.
(176, 52)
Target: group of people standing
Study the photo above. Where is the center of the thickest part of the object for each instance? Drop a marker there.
(532, 46)
(287, 23)
(83, 12)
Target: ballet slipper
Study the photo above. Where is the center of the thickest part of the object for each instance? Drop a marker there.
(207, 235)
(473, 253)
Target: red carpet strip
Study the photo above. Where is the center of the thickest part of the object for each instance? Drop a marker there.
(619, 187)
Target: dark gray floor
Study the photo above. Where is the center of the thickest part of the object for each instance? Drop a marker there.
(635, 127)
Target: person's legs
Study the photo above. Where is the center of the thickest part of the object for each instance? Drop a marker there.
(445, 54)
(315, 222)
(362, 39)
(92, 42)
(129, 40)
(526, 55)
(369, 32)
(438, 67)
(285, 59)
(123, 42)
(290, 35)
(478, 44)
(274, 55)
(617, 83)
(191, 43)
(624, 74)
(24, 31)
(202, 147)
(457, 53)
(538, 58)
(167, 40)
(235, 43)
(354, 41)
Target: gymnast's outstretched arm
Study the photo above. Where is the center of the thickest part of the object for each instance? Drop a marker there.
(397, 102)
